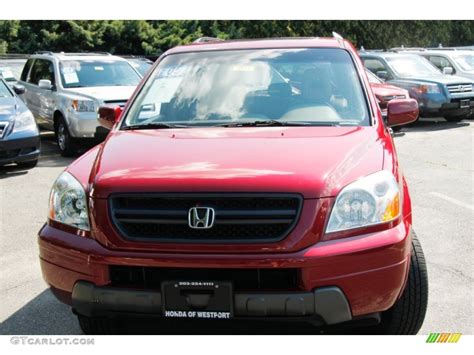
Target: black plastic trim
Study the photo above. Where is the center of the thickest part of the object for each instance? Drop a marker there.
(327, 303)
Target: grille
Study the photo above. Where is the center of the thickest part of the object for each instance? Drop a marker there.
(242, 279)
(393, 97)
(120, 103)
(3, 128)
(460, 88)
(239, 218)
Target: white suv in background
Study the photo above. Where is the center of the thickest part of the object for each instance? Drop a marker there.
(64, 91)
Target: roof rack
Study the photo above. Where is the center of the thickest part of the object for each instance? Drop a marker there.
(14, 56)
(72, 53)
(43, 52)
(403, 48)
(207, 39)
(440, 49)
(84, 53)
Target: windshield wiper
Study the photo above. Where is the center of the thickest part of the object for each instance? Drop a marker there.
(153, 126)
(274, 123)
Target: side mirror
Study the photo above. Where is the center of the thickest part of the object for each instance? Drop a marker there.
(19, 89)
(401, 112)
(448, 70)
(382, 74)
(109, 116)
(45, 84)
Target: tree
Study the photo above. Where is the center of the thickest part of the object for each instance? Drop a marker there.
(153, 37)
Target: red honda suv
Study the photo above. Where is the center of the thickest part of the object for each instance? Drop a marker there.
(244, 179)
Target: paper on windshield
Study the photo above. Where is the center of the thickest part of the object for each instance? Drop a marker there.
(70, 78)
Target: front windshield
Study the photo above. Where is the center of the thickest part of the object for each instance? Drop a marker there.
(89, 73)
(7, 74)
(412, 66)
(142, 66)
(310, 86)
(11, 69)
(4, 91)
(465, 61)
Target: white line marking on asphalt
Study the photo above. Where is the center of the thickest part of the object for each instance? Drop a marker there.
(453, 200)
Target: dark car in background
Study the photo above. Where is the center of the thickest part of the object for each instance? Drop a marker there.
(19, 135)
(437, 94)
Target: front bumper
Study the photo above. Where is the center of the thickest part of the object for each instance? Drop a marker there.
(438, 105)
(327, 303)
(19, 150)
(369, 270)
(85, 125)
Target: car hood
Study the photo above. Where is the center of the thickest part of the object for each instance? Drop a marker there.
(313, 161)
(381, 90)
(438, 79)
(104, 93)
(8, 108)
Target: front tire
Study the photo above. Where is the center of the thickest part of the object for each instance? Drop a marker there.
(66, 143)
(407, 315)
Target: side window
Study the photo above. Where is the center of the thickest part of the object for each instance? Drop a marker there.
(26, 70)
(440, 62)
(42, 69)
(375, 65)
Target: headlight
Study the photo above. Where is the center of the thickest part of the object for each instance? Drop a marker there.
(83, 105)
(428, 88)
(24, 121)
(371, 200)
(68, 202)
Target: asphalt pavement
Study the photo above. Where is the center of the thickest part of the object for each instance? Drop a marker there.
(436, 156)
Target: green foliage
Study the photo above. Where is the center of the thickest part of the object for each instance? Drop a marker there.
(153, 37)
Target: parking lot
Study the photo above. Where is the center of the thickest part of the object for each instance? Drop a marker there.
(437, 158)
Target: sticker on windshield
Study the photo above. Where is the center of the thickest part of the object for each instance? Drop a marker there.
(98, 68)
(71, 78)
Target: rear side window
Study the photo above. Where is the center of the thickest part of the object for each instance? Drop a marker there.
(439, 62)
(374, 65)
(42, 70)
(26, 69)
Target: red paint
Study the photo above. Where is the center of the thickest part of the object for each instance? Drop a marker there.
(382, 91)
(400, 112)
(368, 264)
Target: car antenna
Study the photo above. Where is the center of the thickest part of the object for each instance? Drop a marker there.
(338, 37)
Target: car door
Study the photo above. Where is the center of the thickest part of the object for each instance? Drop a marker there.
(42, 100)
(25, 81)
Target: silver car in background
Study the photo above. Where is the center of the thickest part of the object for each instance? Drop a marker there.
(64, 91)
(454, 62)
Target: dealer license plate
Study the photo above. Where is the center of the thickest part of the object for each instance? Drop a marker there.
(464, 104)
(197, 299)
